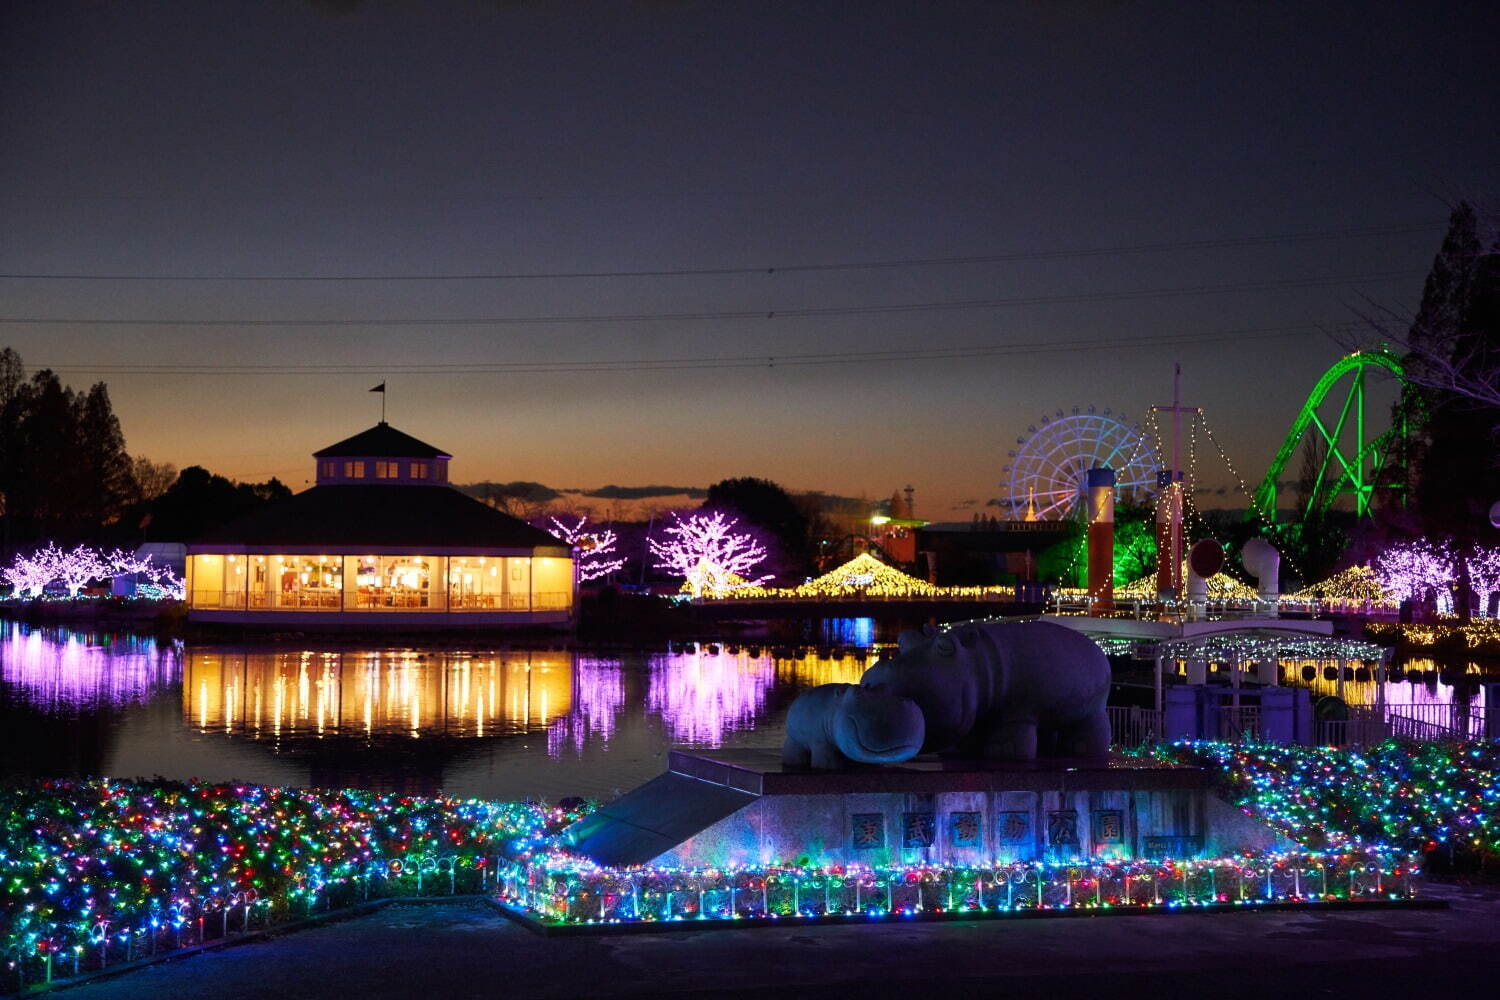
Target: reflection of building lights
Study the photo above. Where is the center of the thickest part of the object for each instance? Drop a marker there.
(378, 693)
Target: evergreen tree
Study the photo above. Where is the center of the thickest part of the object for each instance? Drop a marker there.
(102, 459)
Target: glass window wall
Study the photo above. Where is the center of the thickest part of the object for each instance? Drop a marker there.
(398, 582)
(551, 583)
(380, 582)
(312, 583)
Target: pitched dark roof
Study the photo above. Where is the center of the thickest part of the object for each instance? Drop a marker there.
(382, 441)
(376, 515)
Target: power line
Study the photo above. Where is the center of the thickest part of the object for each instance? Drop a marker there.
(730, 314)
(703, 363)
(1355, 232)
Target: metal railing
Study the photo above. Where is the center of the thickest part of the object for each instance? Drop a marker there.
(1133, 727)
(1368, 725)
(377, 599)
(1239, 722)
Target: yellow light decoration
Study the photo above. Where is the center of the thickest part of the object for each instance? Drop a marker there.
(1355, 585)
(1221, 587)
(862, 578)
(864, 574)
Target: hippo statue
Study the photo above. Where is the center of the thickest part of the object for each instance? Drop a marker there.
(833, 724)
(1003, 690)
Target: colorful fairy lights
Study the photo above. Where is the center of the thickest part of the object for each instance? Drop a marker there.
(558, 890)
(1398, 796)
(97, 872)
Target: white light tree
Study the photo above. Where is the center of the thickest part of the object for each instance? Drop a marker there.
(1484, 573)
(708, 554)
(1411, 570)
(596, 549)
(79, 566)
(28, 574)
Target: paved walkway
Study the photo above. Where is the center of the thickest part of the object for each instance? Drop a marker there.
(450, 951)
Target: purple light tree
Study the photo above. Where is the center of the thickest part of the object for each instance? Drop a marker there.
(29, 574)
(708, 554)
(1410, 570)
(1484, 573)
(80, 566)
(596, 549)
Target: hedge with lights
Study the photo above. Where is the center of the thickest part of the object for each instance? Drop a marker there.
(1399, 796)
(96, 872)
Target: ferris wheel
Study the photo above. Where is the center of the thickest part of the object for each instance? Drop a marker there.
(1046, 472)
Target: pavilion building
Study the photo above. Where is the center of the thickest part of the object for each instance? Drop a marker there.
(381, 540)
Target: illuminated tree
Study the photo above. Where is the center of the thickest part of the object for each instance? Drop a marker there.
(29, 574)
(80, 566)
(1410, 570)
(1483, 562)
(709, 556)
(595, 549)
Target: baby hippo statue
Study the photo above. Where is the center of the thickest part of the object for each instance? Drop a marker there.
(1003, 690)
(833, 724)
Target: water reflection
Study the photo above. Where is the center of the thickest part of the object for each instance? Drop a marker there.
(68, 672)
(598, 696)
(497, 723)
(293, 695)
(1423, 681)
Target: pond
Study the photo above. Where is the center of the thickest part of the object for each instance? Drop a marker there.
(497, 723)
(494, 723)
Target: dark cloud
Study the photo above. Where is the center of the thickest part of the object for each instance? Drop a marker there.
(644, 492)
(520, 490)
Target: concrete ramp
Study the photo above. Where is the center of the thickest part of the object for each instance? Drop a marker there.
(654, 818)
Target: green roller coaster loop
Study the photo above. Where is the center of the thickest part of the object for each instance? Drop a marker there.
(1355, 469)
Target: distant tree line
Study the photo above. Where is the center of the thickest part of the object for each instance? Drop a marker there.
(66, 476)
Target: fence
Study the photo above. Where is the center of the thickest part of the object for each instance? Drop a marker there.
(1371, 724)
(1134, 727)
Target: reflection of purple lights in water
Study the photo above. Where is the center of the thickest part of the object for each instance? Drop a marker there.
(598, 694)
(701, 696)
(64, 671)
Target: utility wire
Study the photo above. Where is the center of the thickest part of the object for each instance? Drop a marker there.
(870, 265)
(729, 314)
(701, 363)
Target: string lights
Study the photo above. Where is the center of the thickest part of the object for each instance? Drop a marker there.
(559, 890)
(711, 558)
(29, 574)
(596, 556)
(864, 577)
(98, 872)
(1398, 796)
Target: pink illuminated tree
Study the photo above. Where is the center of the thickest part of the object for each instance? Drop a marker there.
(31, 572)
(596, 549)
(79, 566)
(1411, 570)
(1484, 573)
(708, 554)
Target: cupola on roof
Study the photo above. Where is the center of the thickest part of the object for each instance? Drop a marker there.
(383, 441)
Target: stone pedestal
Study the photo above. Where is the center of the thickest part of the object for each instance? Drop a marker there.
(740, 808)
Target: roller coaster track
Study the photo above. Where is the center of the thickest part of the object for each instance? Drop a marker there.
(1354, 466)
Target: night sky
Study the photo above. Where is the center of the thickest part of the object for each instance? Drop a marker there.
(388, 138)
